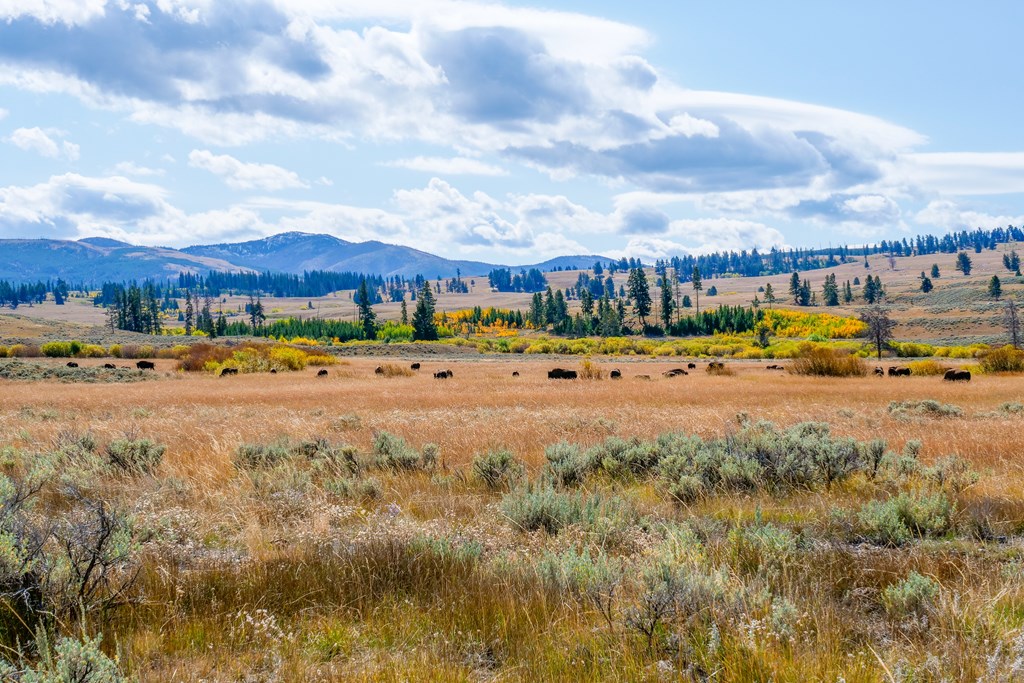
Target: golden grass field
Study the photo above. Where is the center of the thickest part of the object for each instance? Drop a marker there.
(277, 574)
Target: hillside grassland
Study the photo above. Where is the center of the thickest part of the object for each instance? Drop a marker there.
(748, 526)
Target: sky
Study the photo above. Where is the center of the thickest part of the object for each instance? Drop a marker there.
(510, 132)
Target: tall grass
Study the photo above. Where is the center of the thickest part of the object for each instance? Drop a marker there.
(825, 362)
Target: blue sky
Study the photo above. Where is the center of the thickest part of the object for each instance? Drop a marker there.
(513, 131)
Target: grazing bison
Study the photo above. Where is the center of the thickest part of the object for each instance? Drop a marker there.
(675, 372)
(899, 372)
(559, 373)
(691, 366)
(772, 367)
(322, 373)
(273, 371)
(880, 372)
(146, 365)
(72, 364)
(228, 371)
(109, 366)
(379, 371)
(957, 376)
(443, 374)
(616, 374)
(415, 366)
(716, 366)
(515, 373)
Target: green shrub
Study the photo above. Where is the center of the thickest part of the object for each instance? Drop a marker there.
(394, 453)
(951, 473)
(543, 507)
(498, 470)
(924, 408)
(762, 548)
(897, 520)
(262, 456)
(140, 456)
(70, 660)
(912, 597)
(567, 466)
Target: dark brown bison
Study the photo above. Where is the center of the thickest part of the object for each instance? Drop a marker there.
(772, 367)
(957, 376)
(228, 371)
(109, 366)
(675, 372)
(898, 372)
(146, 365)
(379, 370)
(716, 366)
(559, 373)
(273, 371)
(880, 372)
(415, 366)
(322, 373)
(616, 374)
(515, 373)
(72, 364)
(691, 366)
(443, 374)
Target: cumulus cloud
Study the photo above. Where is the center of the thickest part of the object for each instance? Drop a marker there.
(948, 215)
(43, 142)
(243, 176)
(448, 166)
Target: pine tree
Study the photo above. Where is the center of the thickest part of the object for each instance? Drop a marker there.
(963, 263)
(935, 271)
(405, 312)
(995, 288)
(423, 326)
(536, 317)
(926, 283)
(367, 318)
(794, 287)
(667, 304)
(769, 295)
(847, 293)
(190, 313)
(640, 294)
(697, 286)
(830, 291)
(870, 293)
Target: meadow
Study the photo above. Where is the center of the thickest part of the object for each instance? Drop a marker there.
(756, 525)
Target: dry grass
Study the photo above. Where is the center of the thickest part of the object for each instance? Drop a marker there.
(824, 362)
(393, 370)
(272, 574)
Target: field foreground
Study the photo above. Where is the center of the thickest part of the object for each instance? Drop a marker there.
(491, 527)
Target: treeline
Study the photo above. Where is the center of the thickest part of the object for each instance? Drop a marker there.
(307, 328)
(504, 280)
(724, 319)
(14, 294)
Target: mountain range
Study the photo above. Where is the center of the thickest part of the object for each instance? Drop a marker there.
(95, 260)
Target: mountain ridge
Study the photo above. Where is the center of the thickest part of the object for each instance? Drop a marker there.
(93, 260)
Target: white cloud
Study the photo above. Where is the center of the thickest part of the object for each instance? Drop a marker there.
(448, 166)
(68, 12)
(948, 215)
(42, 142)
(243, 176)
(965, 173)
(130, 168)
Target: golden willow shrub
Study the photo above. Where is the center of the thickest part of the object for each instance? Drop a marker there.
(785, 323)
(824, 362)
(251, 357)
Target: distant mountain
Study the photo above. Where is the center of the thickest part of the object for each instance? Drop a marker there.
(98, 259)
(295, 252)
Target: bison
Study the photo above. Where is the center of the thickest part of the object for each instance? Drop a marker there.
(109, 366)
(515, 373)
(415, 366)
(72, 364)
(616, 374)
(443, 374)
(322, 373)
(957, 376)
(273, 371)
(146, 365)
(675, 372)
(691, 366)
(559, 373)
(880, 372)
(228, 371)
(716, 366)
(379, 371)
(899, 372)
